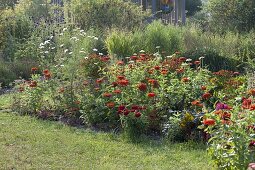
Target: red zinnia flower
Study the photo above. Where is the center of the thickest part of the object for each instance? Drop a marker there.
(33, 69)
(185, 79)
(33, 84)
(125, 112)
(246, 103)
(120, 63)
(182, 59)
(197, 62)
(46, 71)
(124, 82)
(151, 94)
(133, 57)
(209, 122)
(107, 95)
(110, 104)
(252, 92)
(206, 95)
(157, 67)
(99, 81)
(164, 71)
(114, 84)
(153, 82)
(47, 76)
(180, 70)
(138, 114)
(203, 87)
(121, 107)
(142, 86)
(117, 91)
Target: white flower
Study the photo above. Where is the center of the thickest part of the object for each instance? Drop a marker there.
(189, 59)
(169, 56)
(64, 29)
(134, 54)
(65, 50)
(41, 47)
(142, 51)
(81, 31)
(86, 58)
(82, 51)
(61, 33)
(157, 47)
(51, 37)
(62, 45)
(89, 36)
(95, 38)
(71, 53)
(131, 62)
(127, 58)
(62, 65)
(52, 48)
(46, 52)
(95, 50)
(101, 54)
(200, 58)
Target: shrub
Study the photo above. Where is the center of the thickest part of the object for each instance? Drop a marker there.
(123, 44)
(107, 14)
(6, 74)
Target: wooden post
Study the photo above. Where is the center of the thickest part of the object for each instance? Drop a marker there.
(183, 12)
(176, 4)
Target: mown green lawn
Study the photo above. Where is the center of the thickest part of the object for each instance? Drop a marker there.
(29, 143)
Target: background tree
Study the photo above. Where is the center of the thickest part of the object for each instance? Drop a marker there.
(193, 6)
(234, 15)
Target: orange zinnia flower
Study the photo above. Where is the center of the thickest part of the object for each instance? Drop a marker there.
(209, 122)
(110, 104)
(142, 86)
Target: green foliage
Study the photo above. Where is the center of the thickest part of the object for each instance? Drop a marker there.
(6, 74)
(167, 38)
(213, 61)
(193, 6)
(107, 14)
(232, 14)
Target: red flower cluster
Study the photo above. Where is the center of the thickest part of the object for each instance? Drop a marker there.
(153, 82)
(142, 87)
(123, 82)
(47, 74)
(117, 91)
(33, 84)
(185, 79)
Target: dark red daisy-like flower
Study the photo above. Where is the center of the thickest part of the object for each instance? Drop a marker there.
(206, 95)
(142, 87)
(151, 94)
(107, 95)
(117, 91)
(138, 114)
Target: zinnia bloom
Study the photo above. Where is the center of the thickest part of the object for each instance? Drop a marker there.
(185, 79)
(33, 69)
(110, 105)
(120, 63)
(117, 91)
(252, 92)
(182, 59)
(33, 84)
(138, 114)
(124, 82)
(99, 81)
(151, 94)
(157, 67)
(246, 103)
(209, 122)
(180, 70)
(142, 86)
(203, 88)
(107, 95)
(46, 71)
(206, 95)
(164, 71)
(197, 62)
